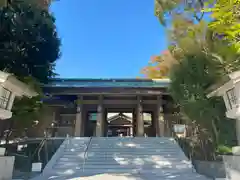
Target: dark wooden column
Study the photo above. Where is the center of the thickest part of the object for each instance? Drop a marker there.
(139, 114)
(56, 121)
(79, 124)
(153, 122)
(157, 116)
(134, 122)
(100, 118)
(105, 122)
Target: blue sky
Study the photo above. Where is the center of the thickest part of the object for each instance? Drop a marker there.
(107, 38)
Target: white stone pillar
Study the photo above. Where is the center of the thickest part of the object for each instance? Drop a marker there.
(139, 114)
(131, 131)
(100, 118)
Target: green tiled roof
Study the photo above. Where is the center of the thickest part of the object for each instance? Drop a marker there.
(148, 83)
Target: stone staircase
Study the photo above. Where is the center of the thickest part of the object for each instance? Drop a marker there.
(136, 158)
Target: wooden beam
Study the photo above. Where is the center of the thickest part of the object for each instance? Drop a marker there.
(108, 102)
(115, 102)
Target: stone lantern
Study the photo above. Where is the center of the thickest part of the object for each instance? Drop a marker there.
(229, 89)
(11, 87)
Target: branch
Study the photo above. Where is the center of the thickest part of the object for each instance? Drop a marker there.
(198, 18)
(202, 14)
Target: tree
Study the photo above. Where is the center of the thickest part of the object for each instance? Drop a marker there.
(40, 3)
(159, 66)
(225, 22)
(29, 45)
(29, 48)
(190, 80)
(191, 9)
(203, 55)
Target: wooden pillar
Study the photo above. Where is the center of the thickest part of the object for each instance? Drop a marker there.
(139, 114)
(83, 125)
(86, 122)
(134, 122)
(100, 118)
(105, 122)
(158, 117)
(56, 121)
(168, 125)
(79, 124)
(153, 123)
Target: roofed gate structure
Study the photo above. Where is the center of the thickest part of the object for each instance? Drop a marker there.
(83, 107)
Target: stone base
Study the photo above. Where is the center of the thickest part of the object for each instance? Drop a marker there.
(5, 114)
(2, 151)
(236, 150)
(232, 167)
(6, 167)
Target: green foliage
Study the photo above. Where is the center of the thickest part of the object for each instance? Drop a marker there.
(29, 48)
(27, 110)
(29, 45)
(222, 149)
(225, 16)
(203, 57)
(191, 9)
(190, 80)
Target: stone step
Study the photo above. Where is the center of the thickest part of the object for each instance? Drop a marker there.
(167, 146)
(69, 160)
(77, 155)
(129, 169)
(80, 153)
(153, 157)
(142, 158)
(142, 142)
(150, 176)
(133, 149)
(133, 138)
(67, 166)
(134, 142)
(135, 152)
(119, 156)
(75, 149)
(106, 159)
(129, 147)
(137, 162)
(131, 175)
(119, 159)
(146, 143)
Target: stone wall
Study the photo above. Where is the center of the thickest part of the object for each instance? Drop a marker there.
(212, 169)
